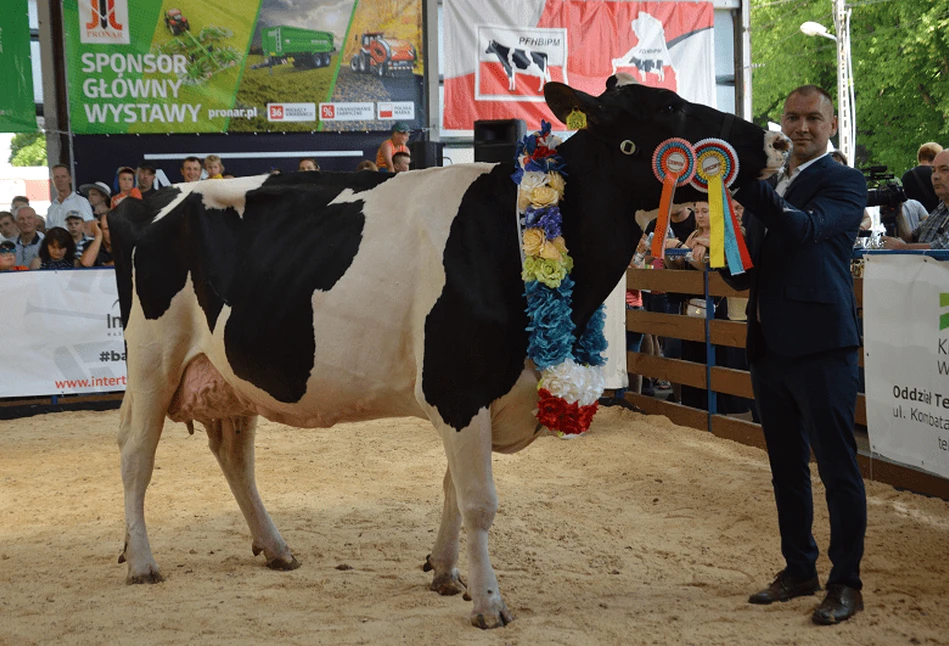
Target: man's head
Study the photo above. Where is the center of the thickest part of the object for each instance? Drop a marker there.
(941, 176)
(62, 180)
(927, 153)
(106, 236)
(191, 169)
(75, 225)
(401, 162)
(26, 220)
(8, 225)
(7, 255)
(17, 202)
(307, 164)
(809, 121)
(146, 177)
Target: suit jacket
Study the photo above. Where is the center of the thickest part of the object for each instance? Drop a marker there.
(801, 298)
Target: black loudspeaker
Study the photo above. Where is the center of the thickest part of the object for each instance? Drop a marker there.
(496, 141)
(426, 154)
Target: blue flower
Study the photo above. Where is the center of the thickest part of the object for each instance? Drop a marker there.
(550, 220)
(550, 328)
(533, 215)
(592, 342)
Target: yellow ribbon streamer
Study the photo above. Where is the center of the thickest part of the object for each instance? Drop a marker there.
(716, 215)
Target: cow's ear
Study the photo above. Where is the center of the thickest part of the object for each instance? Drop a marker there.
(563, 99)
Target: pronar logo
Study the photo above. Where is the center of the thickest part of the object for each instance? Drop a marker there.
(104, 21)
(944, 317)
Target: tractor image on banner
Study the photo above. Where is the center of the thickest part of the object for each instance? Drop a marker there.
(384, 56)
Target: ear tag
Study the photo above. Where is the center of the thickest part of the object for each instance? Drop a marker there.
(627, 147)
(576, 120)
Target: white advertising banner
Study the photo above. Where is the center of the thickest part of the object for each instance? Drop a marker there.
(62, 333)
(906, 359)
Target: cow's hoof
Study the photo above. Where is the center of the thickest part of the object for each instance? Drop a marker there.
(152, 576)
(283, 565)
(492, 620)
(448, 584)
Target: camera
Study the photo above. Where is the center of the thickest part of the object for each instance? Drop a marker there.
(885, 192)
(882, 188)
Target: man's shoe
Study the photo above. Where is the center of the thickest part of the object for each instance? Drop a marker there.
(841, 603)
(785, 587)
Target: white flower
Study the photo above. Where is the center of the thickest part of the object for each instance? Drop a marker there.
(532, 179)
(574, 383)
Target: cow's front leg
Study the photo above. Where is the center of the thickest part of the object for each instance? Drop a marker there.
(141, 421)
(444, 557)
(469, 461)
(232, 442)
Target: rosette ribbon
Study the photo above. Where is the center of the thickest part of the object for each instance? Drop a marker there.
(673, 163)
(716, 169)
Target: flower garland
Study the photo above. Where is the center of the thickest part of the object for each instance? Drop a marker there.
(571, 381)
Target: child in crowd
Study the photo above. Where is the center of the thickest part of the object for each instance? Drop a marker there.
(8, 257)
(57, 251)
(127, 188)
(99, 196)
(214, 167)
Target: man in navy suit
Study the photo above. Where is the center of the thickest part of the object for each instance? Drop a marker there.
(802, 350)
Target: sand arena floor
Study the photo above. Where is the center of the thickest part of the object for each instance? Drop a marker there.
(642, 533)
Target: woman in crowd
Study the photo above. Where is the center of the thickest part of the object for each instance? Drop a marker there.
(57, 251)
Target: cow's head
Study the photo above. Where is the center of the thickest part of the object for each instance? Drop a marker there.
(629, 112)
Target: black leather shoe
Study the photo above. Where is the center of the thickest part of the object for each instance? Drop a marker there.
(841, 603)
(785, 587)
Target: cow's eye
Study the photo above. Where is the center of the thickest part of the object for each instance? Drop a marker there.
(669, 108)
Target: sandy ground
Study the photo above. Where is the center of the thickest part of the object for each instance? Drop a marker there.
(642, 533)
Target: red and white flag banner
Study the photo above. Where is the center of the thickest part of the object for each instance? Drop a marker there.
(499, 54)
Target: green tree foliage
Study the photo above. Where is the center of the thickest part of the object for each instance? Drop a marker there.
(28, 149)
(900, 52)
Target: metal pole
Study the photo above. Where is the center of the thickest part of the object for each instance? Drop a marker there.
(846, 117)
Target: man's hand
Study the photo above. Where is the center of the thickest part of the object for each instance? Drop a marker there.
(890, 242)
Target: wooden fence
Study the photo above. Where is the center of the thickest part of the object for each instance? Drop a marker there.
(717, 379)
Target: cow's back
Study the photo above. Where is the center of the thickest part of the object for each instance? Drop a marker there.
(310, 294)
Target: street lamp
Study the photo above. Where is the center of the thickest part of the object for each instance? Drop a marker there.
(847, 117)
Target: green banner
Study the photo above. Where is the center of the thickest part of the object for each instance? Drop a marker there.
(193, 66)
(17, 109)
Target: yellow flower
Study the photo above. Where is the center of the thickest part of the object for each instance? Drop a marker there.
(550, 251)
(555, 181)
(534, 240)
(560, 243)
(548, 272)
(544, 196)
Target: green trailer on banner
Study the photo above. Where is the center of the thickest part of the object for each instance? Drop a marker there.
(305, 48)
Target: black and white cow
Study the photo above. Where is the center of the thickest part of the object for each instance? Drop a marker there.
(522, 61)
(318, 298)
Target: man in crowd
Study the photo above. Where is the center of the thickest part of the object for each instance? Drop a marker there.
(98, 253)
(394, 144)
(28, 242)
(916, 181)
(802, 348)
(933, 233)
(8, 230)
(65, 200)
(146, 179)
(191, 169)
(17, 202)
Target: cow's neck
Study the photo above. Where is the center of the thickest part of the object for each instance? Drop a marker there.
(599, 224)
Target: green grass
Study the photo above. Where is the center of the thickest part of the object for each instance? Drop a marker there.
(286, 84)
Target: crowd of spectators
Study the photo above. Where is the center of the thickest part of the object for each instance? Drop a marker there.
(75, 229)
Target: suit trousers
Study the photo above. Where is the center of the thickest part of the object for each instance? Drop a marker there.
(808, 403)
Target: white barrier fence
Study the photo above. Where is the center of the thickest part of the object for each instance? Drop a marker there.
(906, 359)
(60, 333)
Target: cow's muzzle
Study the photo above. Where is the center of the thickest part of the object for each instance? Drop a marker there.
(777, 147)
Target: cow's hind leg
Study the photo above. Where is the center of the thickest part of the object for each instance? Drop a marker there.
(141, 421)
(232, 442)
(469, 461)
(444, 557)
